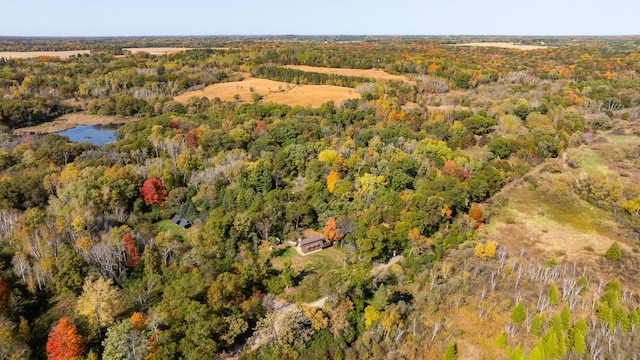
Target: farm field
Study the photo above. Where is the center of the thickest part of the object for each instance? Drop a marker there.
(274, 91)
(370, 73)
(156, 50)
(504, 45)
(34, 54)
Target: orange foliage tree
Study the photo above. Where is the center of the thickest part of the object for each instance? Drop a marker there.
(139, 320)
(153, 192)
(331, 231)
(130, 250)
(476, 214)
(64, 341)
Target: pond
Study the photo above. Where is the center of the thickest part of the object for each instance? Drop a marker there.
(87, 133)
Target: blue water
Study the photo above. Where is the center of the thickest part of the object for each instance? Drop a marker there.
(93, 134)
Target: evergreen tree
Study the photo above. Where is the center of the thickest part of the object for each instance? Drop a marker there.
(452, 352)
(553, 295)
(519, 314)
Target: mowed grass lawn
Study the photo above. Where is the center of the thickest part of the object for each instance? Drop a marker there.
(325, 260)
(186, 234)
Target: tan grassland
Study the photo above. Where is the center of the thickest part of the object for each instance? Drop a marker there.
(69, 121)
(165, 50)
(34, 54)
(156, 50)
(504, 45)
(274, 91)
(370, 73)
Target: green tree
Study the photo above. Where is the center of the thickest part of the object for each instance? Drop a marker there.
(553, 295)
(500, 147)
(452, 352)
(576, 336)
(519, 313)
(614, 253)
(124, 342)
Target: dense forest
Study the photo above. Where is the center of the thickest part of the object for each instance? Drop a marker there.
(411, 183)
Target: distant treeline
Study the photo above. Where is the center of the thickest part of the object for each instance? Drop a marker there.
(294, 76)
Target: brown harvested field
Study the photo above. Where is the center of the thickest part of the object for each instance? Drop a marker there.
(69, 121)
(504, 45)
(34, 54)
(370, 73)
(274, 91)
(156, 50)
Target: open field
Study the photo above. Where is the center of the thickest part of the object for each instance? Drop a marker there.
(504, 45)
(274, 91)
(69, 121)
(370, 73)
(156, 50)
(34, 54)
(165, 50)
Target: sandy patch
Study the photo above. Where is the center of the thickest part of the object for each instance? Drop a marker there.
(369, 73)
(274, 91)
(504, 45)
(69, 121)
(34, 54)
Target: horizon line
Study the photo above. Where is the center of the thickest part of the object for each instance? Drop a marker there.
(315, 35)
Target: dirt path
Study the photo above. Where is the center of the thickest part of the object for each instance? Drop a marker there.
(281, 308)
(378, 269)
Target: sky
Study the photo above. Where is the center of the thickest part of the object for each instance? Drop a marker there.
(312, 17)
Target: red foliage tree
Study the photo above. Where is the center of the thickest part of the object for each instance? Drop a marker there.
(5, 293)
(153, 192)
(64, 341)
(130, 250)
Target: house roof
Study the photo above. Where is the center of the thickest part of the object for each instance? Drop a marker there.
(311, 239)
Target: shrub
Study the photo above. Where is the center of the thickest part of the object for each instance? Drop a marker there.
(614, 253)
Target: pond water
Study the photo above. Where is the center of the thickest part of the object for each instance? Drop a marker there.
(93, 134)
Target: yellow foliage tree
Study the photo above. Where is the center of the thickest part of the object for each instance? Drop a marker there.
(479, 250)
(332, 178)
(327, 156)
(485, 252)
(490, 250)
(100, 302)
(371, 316)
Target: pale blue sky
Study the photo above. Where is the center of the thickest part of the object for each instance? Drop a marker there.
(328, 17)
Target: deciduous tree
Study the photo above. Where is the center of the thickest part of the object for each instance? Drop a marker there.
(153, 192)
(64, 341)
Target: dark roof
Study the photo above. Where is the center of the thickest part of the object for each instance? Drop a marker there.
(311, 239)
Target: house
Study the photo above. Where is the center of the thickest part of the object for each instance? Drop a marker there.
(311, 244)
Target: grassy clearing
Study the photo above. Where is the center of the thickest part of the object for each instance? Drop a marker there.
(571, 230)
(325, 260)
(168, 225)
(273, 91)
(310, 268)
